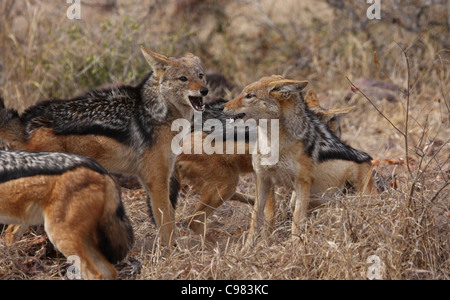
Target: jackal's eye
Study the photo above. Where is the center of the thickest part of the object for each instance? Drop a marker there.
(201, 75)
(183, 78)
(249, 96)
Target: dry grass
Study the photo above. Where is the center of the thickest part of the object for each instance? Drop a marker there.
(45, 55)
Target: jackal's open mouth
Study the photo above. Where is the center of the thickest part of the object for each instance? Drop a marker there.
(234, 118)
(197, 103)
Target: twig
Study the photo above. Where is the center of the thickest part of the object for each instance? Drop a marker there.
(408, 93)
(268, 21)
(441, 87)
(435, 154)
(379, 111)
(353, 235)
(430, 230)
(439, 191)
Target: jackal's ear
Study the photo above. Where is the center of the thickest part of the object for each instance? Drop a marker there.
(311, 99)
(190, 55)
(287, 87)
(328, 114)
(158, 62)
(341, 111)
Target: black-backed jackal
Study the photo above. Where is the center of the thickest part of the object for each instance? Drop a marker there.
(126, 129)
(304, 143)
(75, 199)
(216, 176)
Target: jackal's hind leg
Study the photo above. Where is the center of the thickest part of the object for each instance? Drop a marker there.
(210, 200)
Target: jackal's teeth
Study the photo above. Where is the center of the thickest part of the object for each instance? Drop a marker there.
(197, 103)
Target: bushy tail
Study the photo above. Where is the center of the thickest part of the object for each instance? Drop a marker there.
(115, 232)
(12, 130)
(340, 150)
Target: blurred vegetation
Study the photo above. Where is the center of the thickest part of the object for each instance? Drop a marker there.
(322, 41)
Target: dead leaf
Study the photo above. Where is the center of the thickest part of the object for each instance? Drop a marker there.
(375, 60)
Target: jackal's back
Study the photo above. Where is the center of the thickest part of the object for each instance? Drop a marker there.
(18, 164)
(118, 113)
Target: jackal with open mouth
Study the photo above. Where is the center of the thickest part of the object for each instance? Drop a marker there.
(127, 129)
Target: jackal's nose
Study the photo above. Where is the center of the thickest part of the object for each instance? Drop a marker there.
(204, 91)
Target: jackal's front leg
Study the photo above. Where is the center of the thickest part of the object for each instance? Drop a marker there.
(263, 186)
(271, 209)
(156, 182)
(302, 191)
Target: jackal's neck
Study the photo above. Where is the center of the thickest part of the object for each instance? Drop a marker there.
(160, 108)
(297, 121)
(153, 103)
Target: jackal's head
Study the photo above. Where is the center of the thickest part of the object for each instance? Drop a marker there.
(265, 99)
(181, 80)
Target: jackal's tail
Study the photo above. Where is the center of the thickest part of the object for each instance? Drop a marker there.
(11, 128)
(336, 149)
(114, 231)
